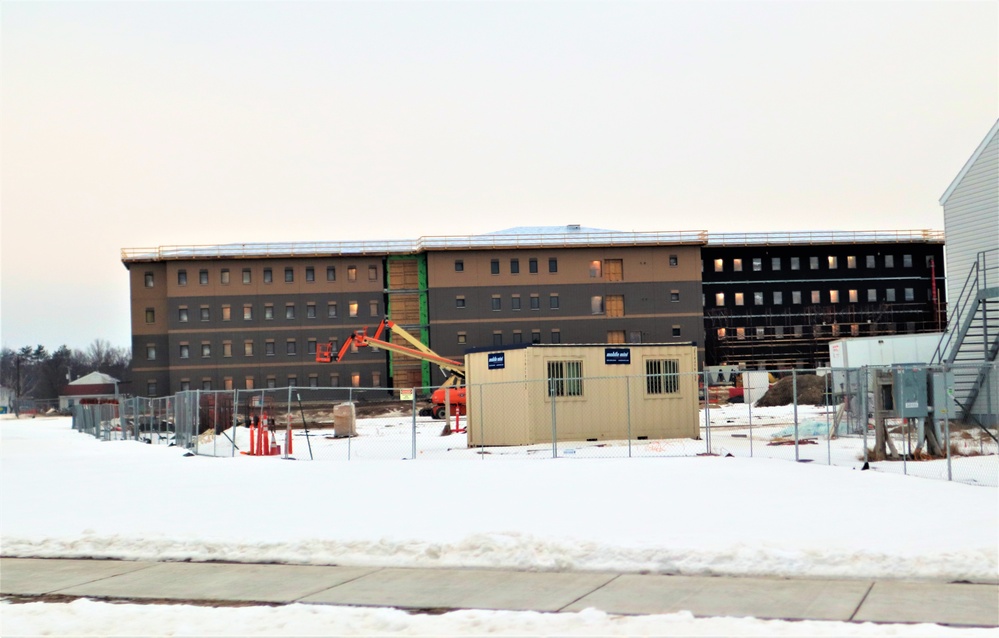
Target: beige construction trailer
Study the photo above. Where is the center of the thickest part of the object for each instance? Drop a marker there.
(521, 395)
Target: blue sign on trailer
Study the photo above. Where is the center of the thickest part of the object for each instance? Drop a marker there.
(497, 360)
(617, 356)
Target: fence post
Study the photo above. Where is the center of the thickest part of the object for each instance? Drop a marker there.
(627, 394)
(794, 400)
(707, 412)
(828, 397)
(551, 396)
(750, 403)
(414, 422)
(862, 389)
(480, 426)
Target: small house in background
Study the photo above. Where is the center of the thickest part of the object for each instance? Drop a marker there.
(520, 395)
(95, 387)
(6, 400)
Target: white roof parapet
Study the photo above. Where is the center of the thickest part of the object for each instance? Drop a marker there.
(827, 237)
(442, 242)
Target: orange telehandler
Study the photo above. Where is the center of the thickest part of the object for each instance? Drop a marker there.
(455, 370)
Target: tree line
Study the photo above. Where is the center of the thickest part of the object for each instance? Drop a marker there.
(35, 373)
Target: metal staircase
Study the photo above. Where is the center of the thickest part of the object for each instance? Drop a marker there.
(971, 342)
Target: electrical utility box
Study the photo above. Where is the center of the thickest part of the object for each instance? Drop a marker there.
(944, 406)
(909, 383)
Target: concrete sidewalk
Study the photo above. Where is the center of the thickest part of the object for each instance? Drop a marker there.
(443, 589)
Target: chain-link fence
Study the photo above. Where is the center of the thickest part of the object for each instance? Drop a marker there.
(902, 419)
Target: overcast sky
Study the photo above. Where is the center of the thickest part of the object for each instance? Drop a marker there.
(148, 124)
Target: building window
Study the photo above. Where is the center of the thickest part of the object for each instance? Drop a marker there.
(292, 380)
(310, 311)
(351, 273)
(615, 305)
(226, 348)
(719, 299)
(151, 388)
(757, 298)
(203, 277)
(833, 296)
(597, 305)
(851, 261)
(737, 265)
(206, 384)
(815, 296)
(185, 351)
(532, 266)
(553, 301)
(518, 336)
(565, 378)
(372, 273)
(595, 269)
(150, 315)
(224, 276)
(739, 299)
(719, 265)
(355, 379)
(535, 302)
(614, 269)
(494, 266)
(871, 261)
(206, 314)
(676, 331)
(852, 296)
(889, 261)
(833, 262)
(182, 314)
(310, 274)
(721, 333)
(674, 296)
(185, 385)
(310, 346)
(271, 382)
(662, 376)
(226, 313)
(556, 336)
(181, 277)
(373, 308)
(909, 296)
(269, 348)
(497, 338)
(552, 264)
(795, 296)
(148, 278)
(247, 348)
(813, 263)
(872, 294)
(289, 275)
(757, 264)
(291, 347)
(778, 297)
(740, 333)
(352, 308)
(459, 265)
(268, 275)
(331, 310)
(674, 261)
(462, 337)
(330, 273)
(459, 301)
(247, 312)
(289, 311)
(335, 380)
(248, 383)
(247, 276)
(760, 332)
(889, 294)
(907, 261)
(268, 311)
(151, 352)
(775, 263)
(535, 336)
(779, 332)
(854, 330)
(206, 349)
(795, 263)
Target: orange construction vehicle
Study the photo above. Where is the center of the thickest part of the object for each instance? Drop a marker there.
(451, 392)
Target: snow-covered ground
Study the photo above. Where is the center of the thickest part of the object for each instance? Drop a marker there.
(66, 494)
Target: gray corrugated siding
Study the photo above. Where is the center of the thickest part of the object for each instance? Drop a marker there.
(971, 224)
